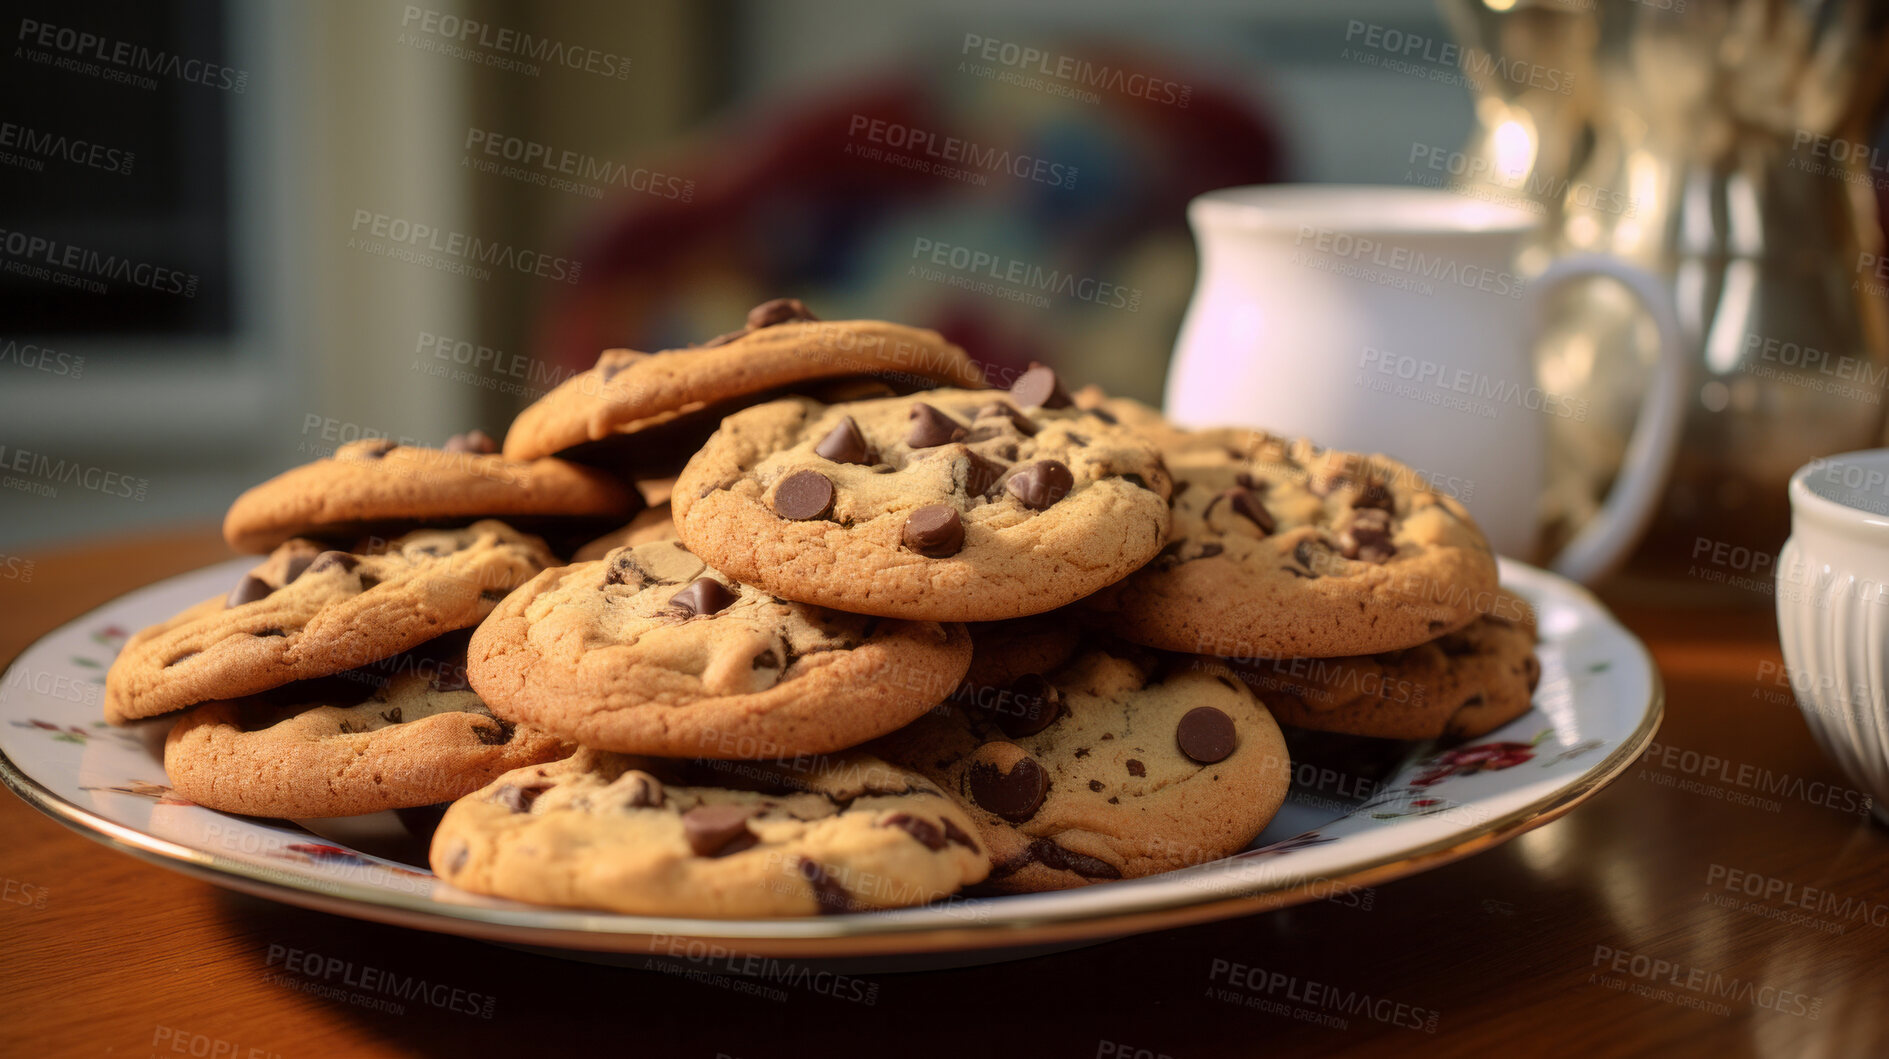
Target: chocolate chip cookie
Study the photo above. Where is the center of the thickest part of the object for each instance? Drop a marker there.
(951, 505)
(407, 732)
(651, 651)
(630, 392)
(652, 837)
(378, 487)
(306, 612)
(1280, 549)
(1462, 684)
(1117, 765)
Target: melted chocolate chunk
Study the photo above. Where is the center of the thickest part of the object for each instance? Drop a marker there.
(297, 566)
(248, 590)
(827, 891)
(498, 733)
(979, 474)
(1206, 735)
(1033, 705)
(1040, 484)
(1015, 795)
(1368, 538)
(954, 833)
(931, 428)
(712, 829)
(803, 495)
(1040, 388)
(930, 835)
(1136, 768)
(704, 595)
(1245, 503)
(935, 530)
(1051, 855)
(330, 559)
(1024, 424)
(845, 444)
(517, 799)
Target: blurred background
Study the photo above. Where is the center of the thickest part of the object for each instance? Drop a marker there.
(236, 235)
(634, 174)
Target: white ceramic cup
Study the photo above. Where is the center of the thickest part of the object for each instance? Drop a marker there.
(1393, 320)
(1833, 613)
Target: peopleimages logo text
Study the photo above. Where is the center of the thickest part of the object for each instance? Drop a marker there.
(129, 56)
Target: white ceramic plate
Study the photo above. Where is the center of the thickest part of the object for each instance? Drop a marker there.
(1597, 707)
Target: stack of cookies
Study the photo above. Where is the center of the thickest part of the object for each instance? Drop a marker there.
(862, 633)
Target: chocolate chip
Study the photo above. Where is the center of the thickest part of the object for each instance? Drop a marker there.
(954, 833)
(845, 444)
(931, 428)
(936, 530)
(625, 571)
(1041, 484)
(980, 474)
(930, 835)
(1051, 855)
(267, 633)
(1034, 705)
(641, 790)
(828, 894)
(1245, 503)
(1104, 415)
(1374, 494)
(704, 595)
(498, 733)
(1024, 424)
(297, 567)
(1135, 479)
(332, 559)
(803, 495)
(1096, 786)
(1040, 388)
(1206, 735)
(711, 829)
(1136, 768)
(517, 799)
(391, 716)
(248, 590)
(777, 311)
(1368, 538)
(1015, 795)
(471, 441)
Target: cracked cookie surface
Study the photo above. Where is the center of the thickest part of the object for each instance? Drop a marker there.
(1280, 549)
(628, 391)
(950, 505)
(405, 733)
(1460, 685)
(645, 836)
(1115, 766)
(305, 612)
(651, 651)
(376, 486)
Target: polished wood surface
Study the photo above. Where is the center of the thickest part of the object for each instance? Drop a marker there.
(1723, 898)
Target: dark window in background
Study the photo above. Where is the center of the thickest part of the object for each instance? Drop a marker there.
(169, 211)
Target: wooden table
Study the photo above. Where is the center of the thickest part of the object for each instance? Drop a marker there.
(1551, 944)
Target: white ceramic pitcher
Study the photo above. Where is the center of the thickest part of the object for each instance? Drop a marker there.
(1384, 319)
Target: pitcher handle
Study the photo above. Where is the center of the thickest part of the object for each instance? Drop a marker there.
(1613, 530)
